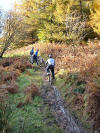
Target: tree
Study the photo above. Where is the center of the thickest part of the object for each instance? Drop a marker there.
(46, 18)
(39, 15)
(12, 29)
(76, 26)
(0, 21)
(95, 17)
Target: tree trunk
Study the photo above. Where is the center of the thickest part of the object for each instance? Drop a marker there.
(93, 6)
(80, 1)
(7, 44)
(3, 51)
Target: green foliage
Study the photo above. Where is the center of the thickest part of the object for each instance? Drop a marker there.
(46, 20)
(94, 18)
(42, 35)
(71, 86)
(79, 90)
(33, 117)
(4, 115)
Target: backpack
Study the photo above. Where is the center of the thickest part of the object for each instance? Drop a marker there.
(31, 52)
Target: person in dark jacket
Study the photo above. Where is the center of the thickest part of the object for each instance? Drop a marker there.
(50, 66)
(31, 55)
(36, 56)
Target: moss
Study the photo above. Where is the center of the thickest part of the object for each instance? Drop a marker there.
(71, 87)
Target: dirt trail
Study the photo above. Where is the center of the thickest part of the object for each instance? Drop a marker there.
(52, 97)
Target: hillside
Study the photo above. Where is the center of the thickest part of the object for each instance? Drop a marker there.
(77, 77)
(69, 31)
(21, 106)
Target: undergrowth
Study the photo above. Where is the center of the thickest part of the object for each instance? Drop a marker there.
(25, 111)
(79, 80)
(73, 89)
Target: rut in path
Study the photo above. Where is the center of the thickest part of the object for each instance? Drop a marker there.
(52, 97)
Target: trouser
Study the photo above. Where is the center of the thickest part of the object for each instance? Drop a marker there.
(31, 59)
(35, 59)
(51, 68)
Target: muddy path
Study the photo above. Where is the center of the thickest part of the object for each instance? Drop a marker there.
(51, 96)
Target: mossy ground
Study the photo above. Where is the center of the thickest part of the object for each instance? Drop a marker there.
(34, 117)
(70, 90)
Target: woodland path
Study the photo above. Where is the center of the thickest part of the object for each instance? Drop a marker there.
(51, 96)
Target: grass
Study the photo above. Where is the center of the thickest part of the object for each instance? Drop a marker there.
(60, 84)
(69, 88)
(21, 53)
(18, 52)
(34, 117)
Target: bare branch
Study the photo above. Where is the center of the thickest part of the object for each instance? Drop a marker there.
(13, 27)
(76, 25)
